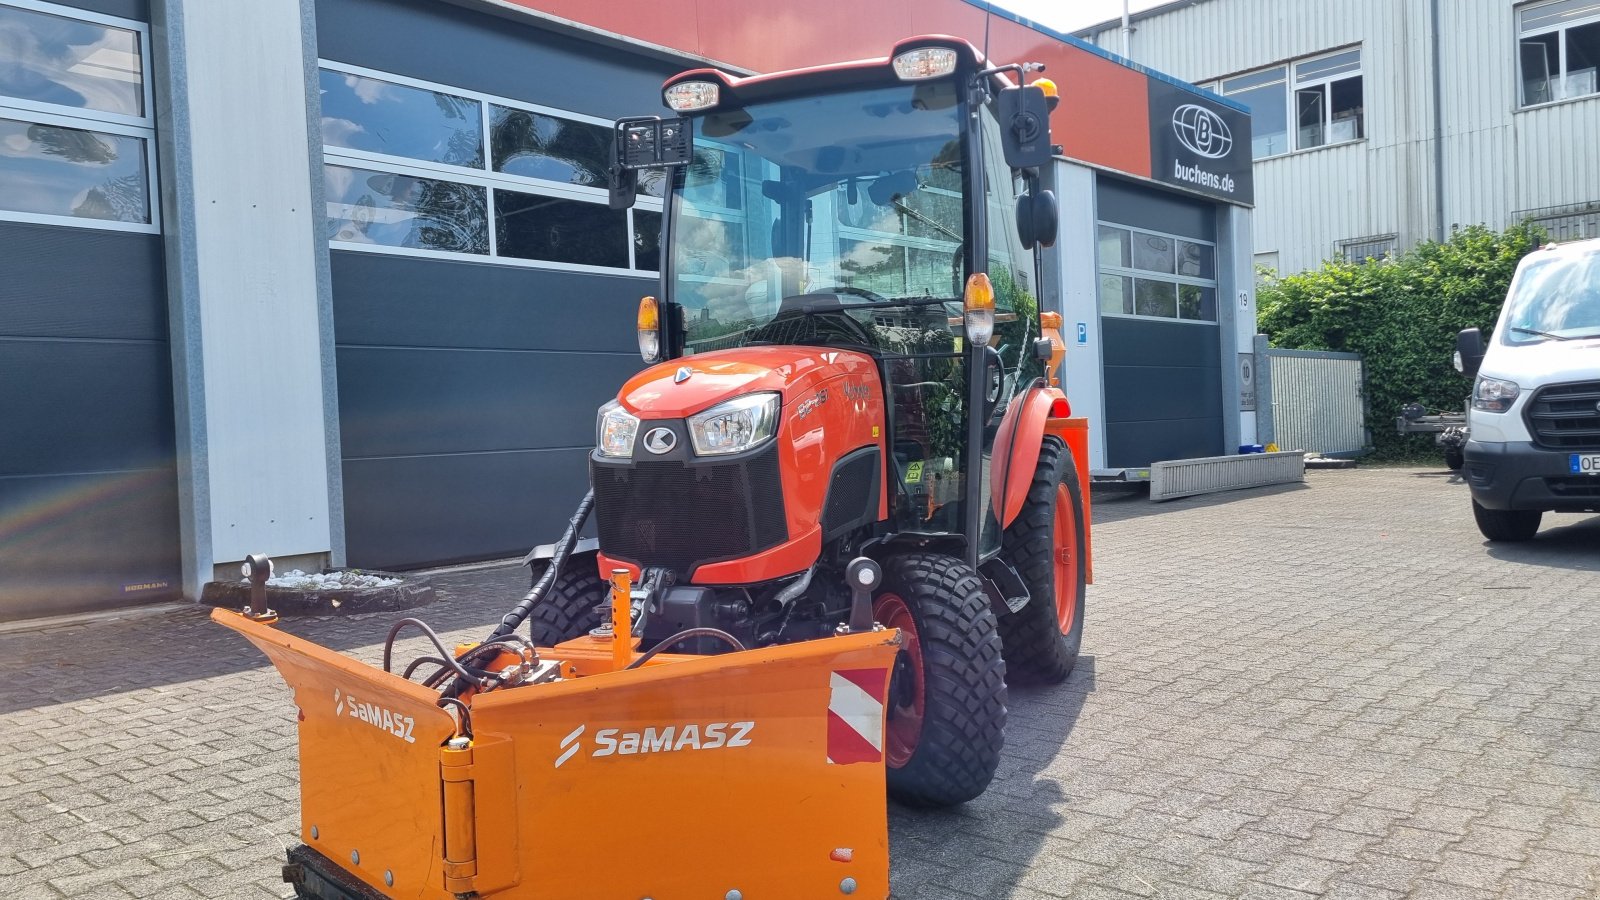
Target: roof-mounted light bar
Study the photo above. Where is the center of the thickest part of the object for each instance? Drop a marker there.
(924, 63)
(693, 96)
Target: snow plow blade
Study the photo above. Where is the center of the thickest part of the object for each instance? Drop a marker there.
(758, 772)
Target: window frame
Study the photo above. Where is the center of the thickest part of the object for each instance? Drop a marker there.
(1518, 36)
(119, 124)
(1174, 279)
(1290, 86)
(1343, 248)
(485, 177)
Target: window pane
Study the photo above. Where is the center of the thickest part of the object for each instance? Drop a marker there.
(1563, 13)
(378, 117)
(1155, 298)
(708, 247)
(713, 176)
(1116, 295)
(1254, 80)
(529, 226)
(1197, 260)
(1349, 113)
(367, 207)
(646, 240)
(1541, 68)
(1344, 63)
(1197, 303)
(1115, 249)
(1153, 253)
(53, 59)
(70, 172)
(1269, 119)
(1583, 56)
(1309, 105)
(541, 146)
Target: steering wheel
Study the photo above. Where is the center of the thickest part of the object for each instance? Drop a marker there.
(846, 289)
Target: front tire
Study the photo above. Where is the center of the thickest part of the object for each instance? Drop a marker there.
(946, 710)
(568, 609)
(1507, 526)
(1454, 459)
(1045, 544)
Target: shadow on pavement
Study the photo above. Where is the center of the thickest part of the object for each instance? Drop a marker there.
(1572, 544)
(1000, 833)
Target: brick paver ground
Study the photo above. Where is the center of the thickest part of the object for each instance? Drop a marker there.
(1332, 690)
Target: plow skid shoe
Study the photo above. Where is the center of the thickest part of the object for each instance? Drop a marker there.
(759, 772)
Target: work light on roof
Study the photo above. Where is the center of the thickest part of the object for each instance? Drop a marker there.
(689, 96)
(924, 63)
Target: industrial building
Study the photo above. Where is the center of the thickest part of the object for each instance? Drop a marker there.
(336, 280)
(1382, 123)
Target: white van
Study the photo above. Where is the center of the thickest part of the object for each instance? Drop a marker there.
(1534, 415)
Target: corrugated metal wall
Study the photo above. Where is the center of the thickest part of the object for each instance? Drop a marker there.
(1497, 159)
(1319, 401)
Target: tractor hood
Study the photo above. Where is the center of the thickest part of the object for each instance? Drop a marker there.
(691, 384)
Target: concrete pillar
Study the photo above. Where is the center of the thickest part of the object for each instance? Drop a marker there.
(1236, 318)
(250, 310)
(1073, 267)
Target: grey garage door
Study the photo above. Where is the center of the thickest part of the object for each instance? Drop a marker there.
(88, 492)
(484, 294)
(1158, 324)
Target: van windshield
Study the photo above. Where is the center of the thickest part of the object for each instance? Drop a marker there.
(1555, 299)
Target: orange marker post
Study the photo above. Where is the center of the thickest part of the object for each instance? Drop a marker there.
(621, 619)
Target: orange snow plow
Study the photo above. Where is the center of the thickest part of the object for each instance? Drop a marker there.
(675, 778)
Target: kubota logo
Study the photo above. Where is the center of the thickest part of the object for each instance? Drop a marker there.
(377, 716)
(666, 739)
(1202, 131)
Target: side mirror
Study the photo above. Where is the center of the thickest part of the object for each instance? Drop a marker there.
(1024, 113)
(646, 142)
(1038, 219)
(1469, 345)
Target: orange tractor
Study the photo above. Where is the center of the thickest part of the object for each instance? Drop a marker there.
(844, 504)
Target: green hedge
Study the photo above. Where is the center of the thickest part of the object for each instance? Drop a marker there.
(1402, 316)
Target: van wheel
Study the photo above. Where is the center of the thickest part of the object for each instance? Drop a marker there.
(1454, 459)
(1507, 525)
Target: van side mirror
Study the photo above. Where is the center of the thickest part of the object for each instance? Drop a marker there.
(1469, 346)
(1038, 218)
(1024, 114)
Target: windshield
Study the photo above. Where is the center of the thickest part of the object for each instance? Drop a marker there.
(1554, 299)
(822, 219)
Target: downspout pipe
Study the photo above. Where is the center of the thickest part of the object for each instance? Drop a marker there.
(1127, 30)
(1438, 126)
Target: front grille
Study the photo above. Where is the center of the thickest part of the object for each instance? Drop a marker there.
(1566, 416)
(1576, 486)
(677, 515)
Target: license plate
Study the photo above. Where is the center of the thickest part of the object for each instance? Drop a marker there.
(1585, 463)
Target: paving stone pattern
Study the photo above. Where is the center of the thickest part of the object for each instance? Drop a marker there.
(1332, 690)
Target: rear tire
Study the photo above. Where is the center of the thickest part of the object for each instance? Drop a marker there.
(1507, 525)
(1038, 649)
(568, 610)
(946, 710)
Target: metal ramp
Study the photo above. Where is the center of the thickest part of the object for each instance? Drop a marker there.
(1176, 478)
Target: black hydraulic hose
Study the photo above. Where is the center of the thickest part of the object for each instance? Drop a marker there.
(471, 658)
(449, 658)
(422, 661)
(682, 636)
(464, 713)
(519, 613)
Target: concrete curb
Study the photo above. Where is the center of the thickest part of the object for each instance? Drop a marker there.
(412, 591)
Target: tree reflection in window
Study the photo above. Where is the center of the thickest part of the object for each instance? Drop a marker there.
(53, 170)
(404, 211)
(544, 146)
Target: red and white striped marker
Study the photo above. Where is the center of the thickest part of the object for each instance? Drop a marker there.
(855, 716)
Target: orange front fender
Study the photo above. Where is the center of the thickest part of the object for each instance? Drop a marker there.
(1016, 450)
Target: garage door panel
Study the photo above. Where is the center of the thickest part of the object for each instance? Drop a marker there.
(396, 402)
(81, 406)
(1143, 342)
(386, 300)
(74, 541)
(1136, 394)
(433, 510)
(98, 284)
(1138, 444)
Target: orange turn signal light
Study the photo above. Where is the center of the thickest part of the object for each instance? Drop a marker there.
(1052, 94)
(649, 329)
(978, 304)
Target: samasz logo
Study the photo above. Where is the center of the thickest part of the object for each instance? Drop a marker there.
(665, 739)
(377, 716)
(1202, 131)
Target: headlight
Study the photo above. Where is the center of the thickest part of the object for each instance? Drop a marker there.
(1494, 395)
(735, 426)
(617, 429)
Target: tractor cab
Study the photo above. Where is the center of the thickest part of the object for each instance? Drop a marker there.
(871, 207)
